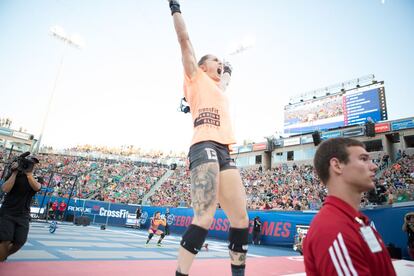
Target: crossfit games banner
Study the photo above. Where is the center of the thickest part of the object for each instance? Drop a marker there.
(278, 227)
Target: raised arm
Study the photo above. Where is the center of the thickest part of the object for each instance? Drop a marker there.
(187, 52)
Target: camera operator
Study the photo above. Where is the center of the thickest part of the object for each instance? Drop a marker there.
(20, 187)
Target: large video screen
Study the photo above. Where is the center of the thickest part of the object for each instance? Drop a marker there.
(351, 107)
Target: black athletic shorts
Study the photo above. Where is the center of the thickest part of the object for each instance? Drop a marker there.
(14, 228)
(210, 151)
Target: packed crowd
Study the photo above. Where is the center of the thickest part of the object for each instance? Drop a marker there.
(175, 191)
(297, 188)
(280, 188)
(395, 183)
(122, 181)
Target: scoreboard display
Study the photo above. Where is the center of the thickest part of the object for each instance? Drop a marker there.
(352, 107)
(362, 105)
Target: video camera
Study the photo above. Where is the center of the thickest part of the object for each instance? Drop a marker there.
(25, 162)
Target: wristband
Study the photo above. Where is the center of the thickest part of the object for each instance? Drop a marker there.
(227, 69)
(174, 6)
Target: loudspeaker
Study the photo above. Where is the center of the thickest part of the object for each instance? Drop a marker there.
(370, 129)
(393, 137)
(68, 217)
(395, 252)
(316, 136)
(83, 220)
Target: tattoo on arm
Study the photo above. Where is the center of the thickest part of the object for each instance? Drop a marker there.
(204, 187)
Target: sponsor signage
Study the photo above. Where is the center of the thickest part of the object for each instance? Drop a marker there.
(247, 148)
(5, 131)
(306, 139)
(80, 209)
(291, 141)
(278, 227)
(122, 213)
(21, 135)
(403, 124)
(331, 134)
(260, 146)
(353, 132)
(382, 127)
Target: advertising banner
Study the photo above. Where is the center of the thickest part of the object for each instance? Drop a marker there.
(291, 141)
(382, 127)
(286, 228)
(260, 146)
(330, 134)
(403, 124)
(353, 132)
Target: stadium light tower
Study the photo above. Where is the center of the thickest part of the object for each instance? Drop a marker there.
(68, 40)
(247, 43)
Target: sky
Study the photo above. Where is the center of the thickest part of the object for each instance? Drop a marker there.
(123, 87)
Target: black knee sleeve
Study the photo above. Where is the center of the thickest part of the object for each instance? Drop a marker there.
(150, 236)
(162, 235)
(194, 238)
(238, 238)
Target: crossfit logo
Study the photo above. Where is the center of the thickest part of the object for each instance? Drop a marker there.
(115, 214)
(207, 116)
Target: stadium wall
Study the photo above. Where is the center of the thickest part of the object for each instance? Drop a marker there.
(278, 227)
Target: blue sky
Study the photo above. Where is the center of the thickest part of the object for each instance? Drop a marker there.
(124, 86)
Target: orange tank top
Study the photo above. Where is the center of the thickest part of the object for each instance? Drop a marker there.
(209, 109)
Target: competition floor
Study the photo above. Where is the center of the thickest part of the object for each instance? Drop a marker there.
(79, 250)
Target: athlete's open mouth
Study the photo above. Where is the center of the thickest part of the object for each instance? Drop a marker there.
(219, 70)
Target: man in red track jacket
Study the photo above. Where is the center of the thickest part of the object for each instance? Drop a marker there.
(340, 240)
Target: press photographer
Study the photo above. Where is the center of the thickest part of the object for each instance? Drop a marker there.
(20, 186)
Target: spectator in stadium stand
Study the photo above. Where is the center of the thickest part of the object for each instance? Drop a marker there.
(340, 240)
(62, 208)
(386, 160)
(214, 175)
(20, 187)
(266, 206)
